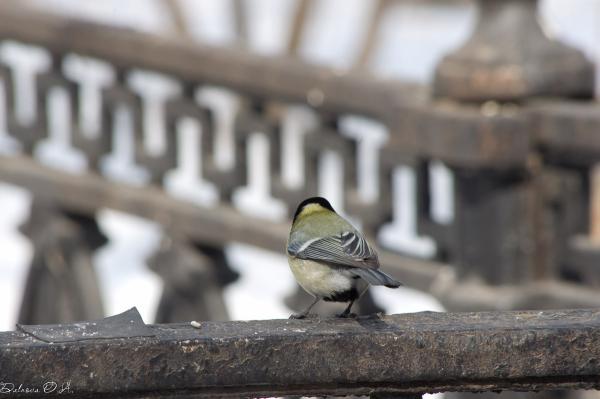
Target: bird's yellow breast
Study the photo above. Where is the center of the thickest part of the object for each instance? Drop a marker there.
(318, 279)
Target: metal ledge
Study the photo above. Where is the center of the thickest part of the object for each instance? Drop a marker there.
(400, 354)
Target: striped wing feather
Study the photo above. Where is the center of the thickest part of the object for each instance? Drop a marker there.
(349, 250)
(346, 249)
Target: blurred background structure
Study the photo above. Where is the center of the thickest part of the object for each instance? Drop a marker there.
(182, 135)
(152, 152)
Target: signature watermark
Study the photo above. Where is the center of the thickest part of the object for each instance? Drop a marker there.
(48, 387)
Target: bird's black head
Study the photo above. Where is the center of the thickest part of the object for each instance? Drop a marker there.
(310, 201)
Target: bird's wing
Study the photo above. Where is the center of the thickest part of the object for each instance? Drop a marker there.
(347, 249)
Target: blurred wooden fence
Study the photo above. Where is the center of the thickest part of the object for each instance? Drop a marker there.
(510, 114)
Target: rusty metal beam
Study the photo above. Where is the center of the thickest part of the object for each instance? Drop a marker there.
(399, 354)
(177, 17)
(297, 26)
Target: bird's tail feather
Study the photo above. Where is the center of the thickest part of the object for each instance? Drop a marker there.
(376, 277)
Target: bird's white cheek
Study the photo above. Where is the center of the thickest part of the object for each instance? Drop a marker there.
(317, 279)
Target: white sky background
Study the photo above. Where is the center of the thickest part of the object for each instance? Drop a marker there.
(412, 38)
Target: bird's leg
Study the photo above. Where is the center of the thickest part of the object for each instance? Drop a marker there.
(346, 313)
(305, 313)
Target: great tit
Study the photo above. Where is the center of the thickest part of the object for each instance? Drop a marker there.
(329, 258)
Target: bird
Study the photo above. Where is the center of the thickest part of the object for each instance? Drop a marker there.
(329, 258)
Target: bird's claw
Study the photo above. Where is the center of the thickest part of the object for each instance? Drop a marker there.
(297, 316)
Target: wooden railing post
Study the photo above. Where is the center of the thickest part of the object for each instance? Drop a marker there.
(503, 215)
(193, 278)
(509, 58)
(61, 285)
